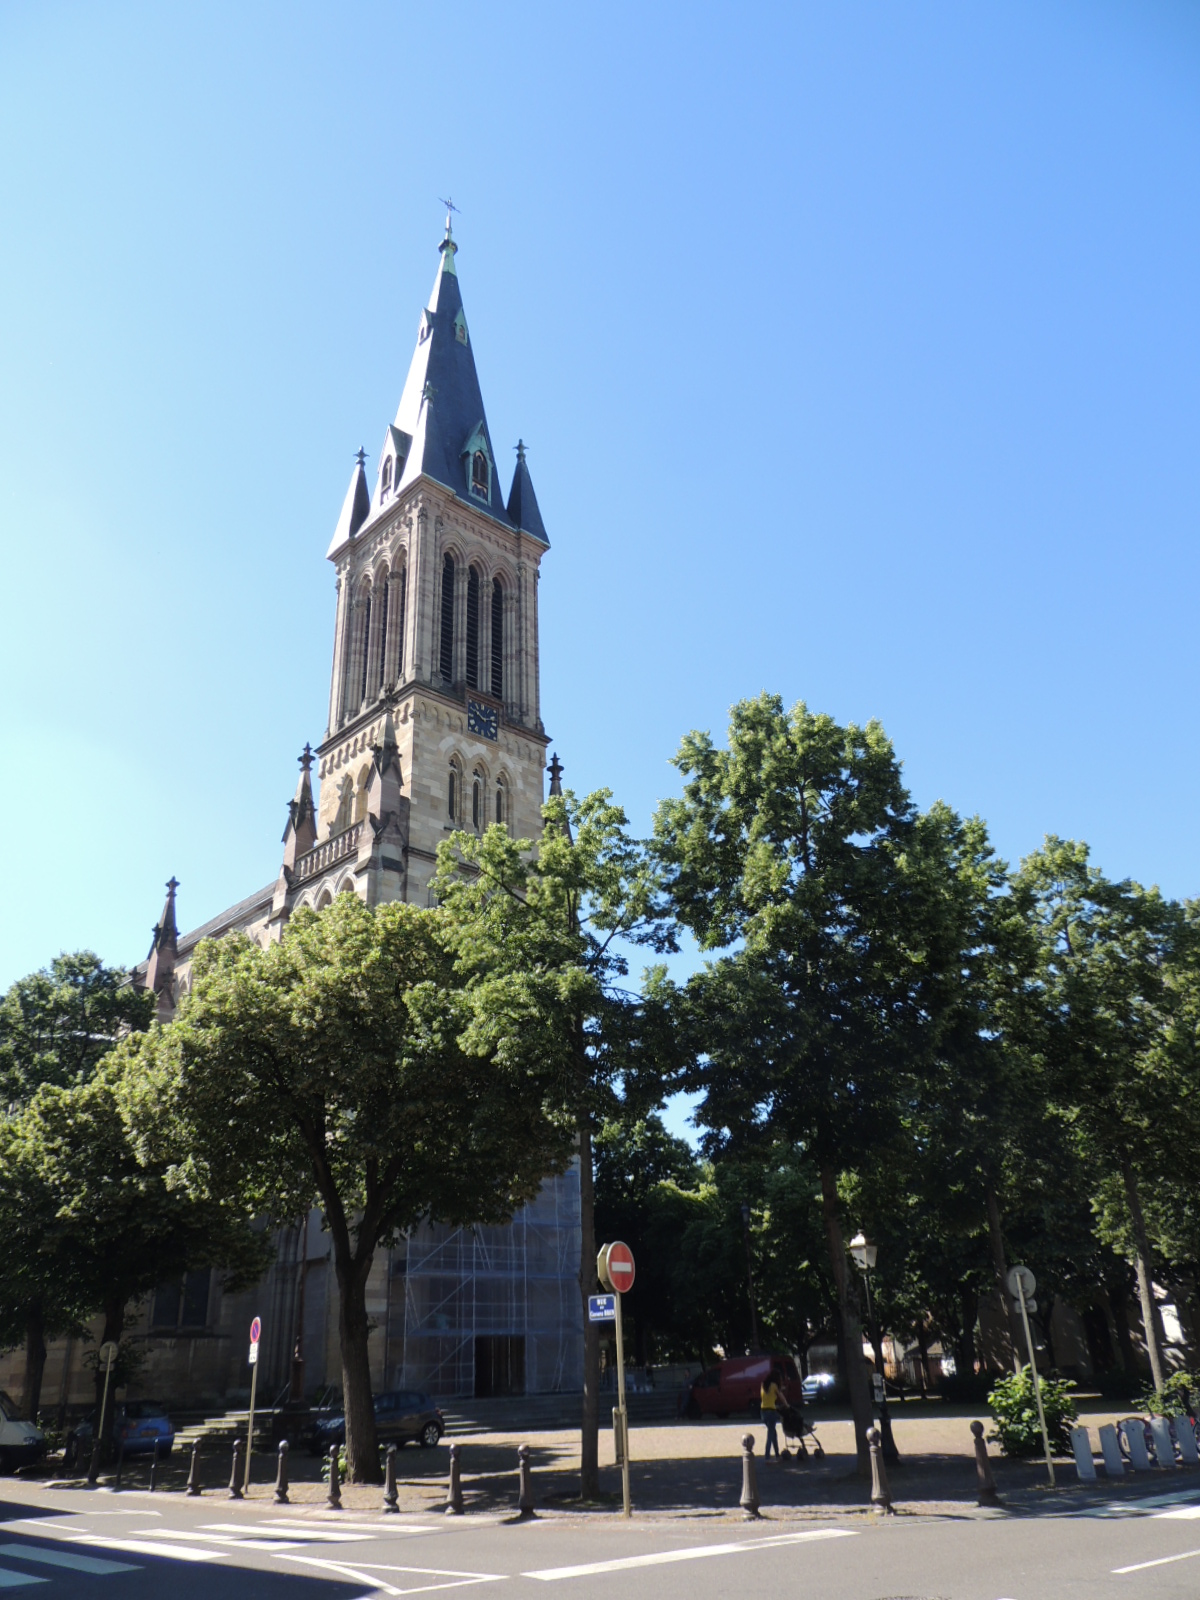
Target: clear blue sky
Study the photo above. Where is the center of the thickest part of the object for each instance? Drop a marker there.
(856, 347)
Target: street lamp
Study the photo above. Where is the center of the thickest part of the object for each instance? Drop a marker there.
(865, 1256)
(750, 1272)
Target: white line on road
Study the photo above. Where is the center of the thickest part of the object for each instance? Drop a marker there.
(1163, 1561)
(361, 1572)
(148, 1547)
(299, 1532)
(18, 1580)
(694, 1553)
(64, 1558)
(248, 1542)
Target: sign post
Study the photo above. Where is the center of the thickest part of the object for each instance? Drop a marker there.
(108, 1354)
(1021, 1284)
(255, 1335)
(615, 1269)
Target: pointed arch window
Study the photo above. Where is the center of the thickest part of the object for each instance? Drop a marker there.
(401, 610)
(481, 475)
(366, 646)
(454, 793)
(497, 639)
(381, 660)
(477, 807)
(501, 801)
(387, 474)
(446, 661)
(473, 628)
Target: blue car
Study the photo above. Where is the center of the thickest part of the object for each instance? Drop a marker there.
(136, 1426)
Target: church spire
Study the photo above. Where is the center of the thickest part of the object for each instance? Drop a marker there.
(301, 832)
(164, 952)
(523, 510)
(355, 507)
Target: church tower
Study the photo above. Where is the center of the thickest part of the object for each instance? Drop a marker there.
(434, 717)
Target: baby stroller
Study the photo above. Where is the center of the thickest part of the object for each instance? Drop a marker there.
(797, 1429)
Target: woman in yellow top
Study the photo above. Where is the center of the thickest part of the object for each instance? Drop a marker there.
(769, 1403)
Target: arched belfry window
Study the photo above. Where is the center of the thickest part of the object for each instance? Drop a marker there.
(501, 801)
(497, 639)
(473, 628)
(387, 474)
(366, 645)
(381, 658)
(446, 660)
(401, 612)
(481, 476)
(454, 793)
(477, 810)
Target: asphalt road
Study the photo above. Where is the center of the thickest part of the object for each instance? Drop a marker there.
(62, 1545)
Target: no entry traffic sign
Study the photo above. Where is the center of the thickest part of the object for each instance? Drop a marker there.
(618, 1269)
(255, 1336)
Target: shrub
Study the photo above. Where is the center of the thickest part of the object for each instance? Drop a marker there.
(1014, 1407)
(1176, 1397)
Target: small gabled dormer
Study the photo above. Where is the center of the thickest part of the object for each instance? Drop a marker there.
(480, 468)
(392, 456)
(460, 327)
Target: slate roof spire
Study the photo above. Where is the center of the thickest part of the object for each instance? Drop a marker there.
(522, 502)
(355, 507)
(164, 952)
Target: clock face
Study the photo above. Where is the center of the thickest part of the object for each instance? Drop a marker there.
(483, 720)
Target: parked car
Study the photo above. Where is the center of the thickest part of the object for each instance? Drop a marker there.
(21, 1443)
(736, 1385)
(136, 1425)
(400, 1415)
(816, 1384)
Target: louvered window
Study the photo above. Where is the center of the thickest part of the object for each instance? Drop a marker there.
(473, 628)
(366, 647)
(381, 667)
(447, 652)
(387, 474)
(453, 795)
(497, 639)
(500, 800)
(401, 613)
(479, 475)
(477, 802)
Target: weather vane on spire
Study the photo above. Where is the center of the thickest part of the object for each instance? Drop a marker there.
(450, 207)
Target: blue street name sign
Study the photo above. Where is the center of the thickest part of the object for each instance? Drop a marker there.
(602, 1308)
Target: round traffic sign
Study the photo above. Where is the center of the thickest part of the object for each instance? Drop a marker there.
(620, 1267)
(1021, 1281)
(108, 1352)
(256, 1330)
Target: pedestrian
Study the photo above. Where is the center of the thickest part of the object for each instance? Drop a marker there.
(769, 1404)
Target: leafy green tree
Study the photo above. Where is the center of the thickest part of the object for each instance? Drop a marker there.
(1124, 1082)
(55, 1027)
(329, 1067)
(788, 851)
(540, 934)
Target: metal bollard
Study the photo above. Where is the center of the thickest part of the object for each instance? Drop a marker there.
(983, 1469)
(525, 1498)
(391, 1500)
(94, 1464)
(235, 1477)
(281, 1475)
(749, 1500)
(881, 1499)
(334, 1502)
(454, 1504)
(1164, 1444)
(1081, 1448)
(193, 1483)
(154, 1467)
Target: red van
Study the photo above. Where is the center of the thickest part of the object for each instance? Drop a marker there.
(736, 1385)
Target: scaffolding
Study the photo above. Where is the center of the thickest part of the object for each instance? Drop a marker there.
(479, 1311)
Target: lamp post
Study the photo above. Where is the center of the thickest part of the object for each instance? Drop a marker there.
(865, 1256)
(750, 1273)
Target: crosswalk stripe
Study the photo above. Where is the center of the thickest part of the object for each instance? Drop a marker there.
(283, 1530)
(147, 1547)
(64, 1558)
(17, 1580)
(242, 1541)
(687, 1553)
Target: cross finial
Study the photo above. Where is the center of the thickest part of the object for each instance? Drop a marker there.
(519, 447)
(361, 457)
(555, 769)
(450, 207)
(172, 885)
(306, 760)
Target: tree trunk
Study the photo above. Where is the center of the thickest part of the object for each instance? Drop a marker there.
(362, 1447)
(1142, 1264)
(589, 1438)
(890, 1451)
(35, 1362)
(964, 1354)
(857, 1380)
(1117, 1297)
(1012, 1318)
(923, 1348)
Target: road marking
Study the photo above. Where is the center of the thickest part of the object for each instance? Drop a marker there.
(275, 1542)
(382, 1526)
(64, 1558)
(362, 1572)
(147, 1547)
(299, 1532)
(1183, 1513)
(694, 1553)
(18, 1580)
(1163, 1561)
